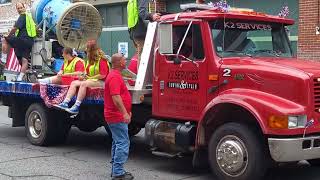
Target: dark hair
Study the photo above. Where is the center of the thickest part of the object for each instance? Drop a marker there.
(68, 50)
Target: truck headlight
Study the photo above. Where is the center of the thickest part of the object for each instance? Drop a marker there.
(287, 122)
(297, 121)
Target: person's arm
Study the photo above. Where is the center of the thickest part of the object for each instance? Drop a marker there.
(12, 31)
(18, 25)
(98, 76)
(114, 87)
(60, 73)
(117, 100)
(144, 12)
(79, 70)
(77, 73)
(120, 106)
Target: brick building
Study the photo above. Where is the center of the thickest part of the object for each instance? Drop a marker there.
(309, 21)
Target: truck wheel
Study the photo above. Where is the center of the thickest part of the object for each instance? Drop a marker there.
(42, 128)
(236, 153)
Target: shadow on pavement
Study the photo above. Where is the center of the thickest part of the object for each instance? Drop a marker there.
(99, 143)
(140, 153)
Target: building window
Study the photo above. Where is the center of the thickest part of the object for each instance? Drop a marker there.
(113, 15)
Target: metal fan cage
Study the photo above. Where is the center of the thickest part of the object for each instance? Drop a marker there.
(80, 23)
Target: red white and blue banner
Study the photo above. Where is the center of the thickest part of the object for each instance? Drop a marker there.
(53, 94)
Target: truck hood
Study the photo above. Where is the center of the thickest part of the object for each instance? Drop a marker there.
(272, 75)
(312, 68)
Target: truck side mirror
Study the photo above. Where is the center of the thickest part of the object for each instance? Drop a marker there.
(176, 60)
(165, 37)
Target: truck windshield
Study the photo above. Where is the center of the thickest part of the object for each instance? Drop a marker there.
(250, 38)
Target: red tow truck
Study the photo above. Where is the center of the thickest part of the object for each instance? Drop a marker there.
(224, 86)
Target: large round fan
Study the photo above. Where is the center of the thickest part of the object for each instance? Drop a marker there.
(78, 24)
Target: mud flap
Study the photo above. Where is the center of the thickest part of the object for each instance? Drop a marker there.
(200, 159)
(17, 113)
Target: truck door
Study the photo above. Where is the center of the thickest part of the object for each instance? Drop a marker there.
(181, 76)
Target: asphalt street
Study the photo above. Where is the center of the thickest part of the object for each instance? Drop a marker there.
(87, 156)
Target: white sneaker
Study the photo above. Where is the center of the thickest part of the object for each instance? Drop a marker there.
(20, 77)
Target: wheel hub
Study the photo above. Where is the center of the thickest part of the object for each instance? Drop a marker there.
(35, 124)
(232, 155)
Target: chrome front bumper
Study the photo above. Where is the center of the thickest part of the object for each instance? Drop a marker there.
(294, 149)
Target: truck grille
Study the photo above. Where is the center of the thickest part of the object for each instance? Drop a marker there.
(316, 90)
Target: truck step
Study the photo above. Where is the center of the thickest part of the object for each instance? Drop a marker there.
(165, 154)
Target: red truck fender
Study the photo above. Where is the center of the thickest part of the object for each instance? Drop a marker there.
(258, 104)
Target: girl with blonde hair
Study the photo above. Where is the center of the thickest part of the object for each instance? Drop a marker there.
(96, 68)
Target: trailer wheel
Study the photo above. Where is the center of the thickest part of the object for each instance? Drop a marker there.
(236, 153)
(43, 127)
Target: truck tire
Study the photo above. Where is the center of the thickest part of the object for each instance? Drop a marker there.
(44, 127)
(236, 153)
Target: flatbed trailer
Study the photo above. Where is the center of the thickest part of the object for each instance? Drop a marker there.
(46, 125)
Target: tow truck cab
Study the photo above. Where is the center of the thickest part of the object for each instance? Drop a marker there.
(227, 86)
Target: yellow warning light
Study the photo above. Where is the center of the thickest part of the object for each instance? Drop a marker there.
(247, 11)
(241, 9)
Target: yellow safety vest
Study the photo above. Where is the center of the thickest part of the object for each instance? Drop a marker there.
(133, 13)
(30, 26)
(70, 67)
(95, 68)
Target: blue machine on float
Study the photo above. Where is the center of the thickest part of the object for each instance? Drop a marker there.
(72, 24)
(50, 9)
